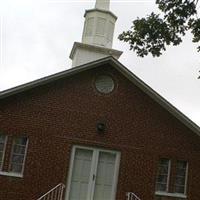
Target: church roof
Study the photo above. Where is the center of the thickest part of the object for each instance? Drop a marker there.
(123, 70)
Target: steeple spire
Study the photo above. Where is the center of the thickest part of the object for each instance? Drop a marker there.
(102, 4)
(97, 35)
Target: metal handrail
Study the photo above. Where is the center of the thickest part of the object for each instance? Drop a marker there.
(55, 193)
(132, 196)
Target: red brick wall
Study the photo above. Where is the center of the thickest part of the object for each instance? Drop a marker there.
(65, 112)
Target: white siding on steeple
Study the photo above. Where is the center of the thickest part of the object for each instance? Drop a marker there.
(111, 27)
(102, 4)
(99, 28)
(89, 27)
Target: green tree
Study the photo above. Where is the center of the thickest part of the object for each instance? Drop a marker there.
(151, 34)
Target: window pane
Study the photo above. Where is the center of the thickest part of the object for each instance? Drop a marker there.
(17, 158)
(1, 146)
(163, 169)
(161, 187)
(164, 161)
(20, 141)
(180, 189)
(16, 168)
(181, 172)
(18, 154)
(2, 138)
(162, 179)
(162, 175)
(180, 179)
(19, 149)
(2, 149)
(1, 157)
(181, 164)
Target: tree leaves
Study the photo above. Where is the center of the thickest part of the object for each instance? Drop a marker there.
(153, 33)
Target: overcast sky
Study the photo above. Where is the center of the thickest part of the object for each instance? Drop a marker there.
(36, 38)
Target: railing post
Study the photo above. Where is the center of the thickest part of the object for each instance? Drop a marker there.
(132, 196)
(62, 189)
(55, 193)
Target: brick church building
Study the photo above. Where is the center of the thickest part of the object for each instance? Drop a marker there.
(95, 131)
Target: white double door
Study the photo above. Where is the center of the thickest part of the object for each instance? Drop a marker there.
(93, 174)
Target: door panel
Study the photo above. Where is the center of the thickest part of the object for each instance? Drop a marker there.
(81, 174)
(104, 176)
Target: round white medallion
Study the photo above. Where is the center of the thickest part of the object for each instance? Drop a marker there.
(104, 84)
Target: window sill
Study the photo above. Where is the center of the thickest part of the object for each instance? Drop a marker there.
(11, 174)
(171, 194)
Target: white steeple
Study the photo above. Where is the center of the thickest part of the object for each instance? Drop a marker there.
(97, 35)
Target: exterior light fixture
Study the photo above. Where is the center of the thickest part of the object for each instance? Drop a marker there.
(101, 127)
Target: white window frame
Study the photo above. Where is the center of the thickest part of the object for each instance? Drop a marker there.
(169, 194)
(24, 160)
(186, 179)
(4, 152)
(94, 166)
(168, 175)
(174, 194)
